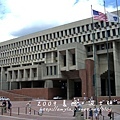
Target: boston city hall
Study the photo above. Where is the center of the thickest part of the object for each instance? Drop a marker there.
(70, 60)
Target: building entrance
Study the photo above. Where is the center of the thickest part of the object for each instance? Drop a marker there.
(77, 89)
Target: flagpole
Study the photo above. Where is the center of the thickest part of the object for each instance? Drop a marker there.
(94, 57)
(109, 83)
(118, 16)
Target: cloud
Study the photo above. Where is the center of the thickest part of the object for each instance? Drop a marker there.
(28, 16)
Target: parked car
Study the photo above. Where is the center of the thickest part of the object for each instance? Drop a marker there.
(57, 98)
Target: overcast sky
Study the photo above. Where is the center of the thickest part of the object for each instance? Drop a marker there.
(21, 17)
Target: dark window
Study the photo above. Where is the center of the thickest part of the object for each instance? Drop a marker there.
(83, 29)
(50, 70)
(88, 36)
(98, 47)
(103, 34)
(78, 29)
(64, 60)
(98, 35)
(114, 32)
(74, 31)
(73, 59)
(108, 33)
(84, 38)
(55, 70)
(79, 38)
(93, 36)
(69, 31)
(87, 27)
(65, 32)
(102, 24)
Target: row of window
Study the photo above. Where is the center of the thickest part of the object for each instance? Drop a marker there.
(21, 74)
(102, 46)
(88, 37)
(54, 35)
(22, 58)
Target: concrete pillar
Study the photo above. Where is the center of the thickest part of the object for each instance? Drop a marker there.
(70, 89)
(3, 81)
(97, 75)
(116, 57)
(48, 84)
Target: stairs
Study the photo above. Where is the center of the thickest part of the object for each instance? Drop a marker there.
(14, 96)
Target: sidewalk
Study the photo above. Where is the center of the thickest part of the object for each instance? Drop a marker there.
(62, 111)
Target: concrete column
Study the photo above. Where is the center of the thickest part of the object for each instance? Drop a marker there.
(116, 57)
(70, 89)
(3, 81)
(48, 84)
(97, 72)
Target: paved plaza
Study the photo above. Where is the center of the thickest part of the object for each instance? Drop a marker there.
(53, 110)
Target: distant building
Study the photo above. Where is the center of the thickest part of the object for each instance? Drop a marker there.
(63, 57)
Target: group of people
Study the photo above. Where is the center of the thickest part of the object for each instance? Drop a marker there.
(95, 112)
(6, 105)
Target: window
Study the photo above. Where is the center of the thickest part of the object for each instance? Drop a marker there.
(102, 24)
(84, 38)
(73, 59)
(103, 34)
(98, 35)
(87, 27)
(64, 60)
(83, 29)
(55, 70)
(108, 33)
(50, 70)
(114, 32)
(78, 29)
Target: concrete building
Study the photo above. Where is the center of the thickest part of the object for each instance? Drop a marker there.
(63, 57)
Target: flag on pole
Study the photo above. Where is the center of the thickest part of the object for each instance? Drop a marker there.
(113, 17)
(99, 16)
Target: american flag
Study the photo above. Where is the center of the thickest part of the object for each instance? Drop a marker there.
(99, 16)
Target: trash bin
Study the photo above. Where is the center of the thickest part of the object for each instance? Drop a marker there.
(79, 115)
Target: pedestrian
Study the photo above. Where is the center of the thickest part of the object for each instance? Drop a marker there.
(90, 113)
(75, 110)
(110, 113)
(100, 110)
(40, 111)
(29, 106)
(9, 105)
(96, 113)
(4, 105)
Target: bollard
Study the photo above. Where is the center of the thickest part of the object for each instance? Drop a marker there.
(112, 115)
(34, 112)
(1, 110)
(86, 113)
(18, 110)
(79, 115)
(26, 110)
(10, 111)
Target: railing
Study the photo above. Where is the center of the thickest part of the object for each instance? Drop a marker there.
(25, 110)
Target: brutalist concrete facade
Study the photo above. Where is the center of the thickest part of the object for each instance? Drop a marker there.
(63, 57)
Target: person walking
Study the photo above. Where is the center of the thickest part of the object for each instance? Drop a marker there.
(96, 113)
(90, 114)
(4, 106)
(29, 106)
(9, 105)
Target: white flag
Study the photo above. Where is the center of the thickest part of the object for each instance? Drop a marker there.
(113, 17)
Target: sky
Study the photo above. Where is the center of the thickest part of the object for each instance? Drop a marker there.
(22, 17)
